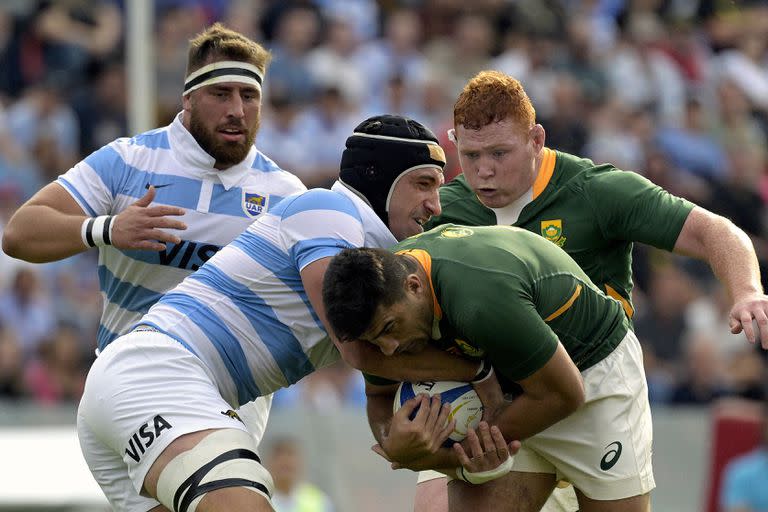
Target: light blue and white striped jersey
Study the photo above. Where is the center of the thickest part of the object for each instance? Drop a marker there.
(219, 205)
(246, 314)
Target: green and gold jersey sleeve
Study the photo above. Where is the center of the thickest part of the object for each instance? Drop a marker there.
(630, 207)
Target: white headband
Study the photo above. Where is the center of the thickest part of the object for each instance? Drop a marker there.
(223, 71)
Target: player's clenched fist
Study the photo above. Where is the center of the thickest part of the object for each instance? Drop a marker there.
(141, 226)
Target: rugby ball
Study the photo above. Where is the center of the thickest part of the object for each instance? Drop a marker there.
(466, 407)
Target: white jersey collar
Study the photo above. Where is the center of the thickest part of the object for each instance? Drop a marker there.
(198, 163)
(376, 233)
(509, 214)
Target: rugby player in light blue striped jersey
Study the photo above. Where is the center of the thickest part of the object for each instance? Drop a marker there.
(158, 413)
(158, 205)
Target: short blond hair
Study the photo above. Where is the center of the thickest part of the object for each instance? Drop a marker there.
(218, 42)
(492, 96)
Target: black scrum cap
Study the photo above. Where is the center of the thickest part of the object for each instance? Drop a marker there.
(383, 149)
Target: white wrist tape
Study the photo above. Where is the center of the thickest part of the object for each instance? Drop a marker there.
(484, 373)
(97, 231)
(481, 477)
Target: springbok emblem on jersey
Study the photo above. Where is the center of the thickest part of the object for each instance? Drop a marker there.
(254, 204)
(468, 349)
(456, 232)
(552, 230)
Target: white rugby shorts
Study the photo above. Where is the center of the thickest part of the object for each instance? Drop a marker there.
(604, 448)
(143, 391)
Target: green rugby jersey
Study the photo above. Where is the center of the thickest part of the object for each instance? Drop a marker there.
(594, 212)
(509, 295)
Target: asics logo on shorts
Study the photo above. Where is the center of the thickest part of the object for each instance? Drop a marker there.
(611, 457)
(145, 436)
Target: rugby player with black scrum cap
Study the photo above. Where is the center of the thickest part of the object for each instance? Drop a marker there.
(156, 422)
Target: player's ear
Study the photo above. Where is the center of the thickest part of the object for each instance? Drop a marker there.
(413, 283)
(452, 137)
(538, 136)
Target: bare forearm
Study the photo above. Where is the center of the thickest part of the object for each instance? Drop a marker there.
(726, 248)
(430, 364)
(524, 416)
(40, 234)
(379, 409)
(736, 267)
(444, 461)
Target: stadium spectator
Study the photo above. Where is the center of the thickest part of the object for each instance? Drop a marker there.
(400, 97)
(14, 79)
(565, 129)
(175, 24)
(285, 461)
(643, 76)
(326, 390)
(661, 324)
(18, 167)
(44, 124)
(464, 52)
(743, 485)
(279, 134)
(73, 33)
(11, 366)
(703, 378)
(398, 52)
(335, 59)
(692, 146)
(296, 35)
(746, 374)
(322, 129)
(56, 373)
(27, 310)
(581, 62)
(101, 107)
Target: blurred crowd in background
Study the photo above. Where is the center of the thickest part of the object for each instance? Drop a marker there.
(676, 90)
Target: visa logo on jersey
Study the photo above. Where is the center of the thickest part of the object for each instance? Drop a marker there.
(187, 255)
(145, 436)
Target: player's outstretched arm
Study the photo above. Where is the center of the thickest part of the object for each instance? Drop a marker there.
(45, 228)
(48, 226)
(730, 253)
